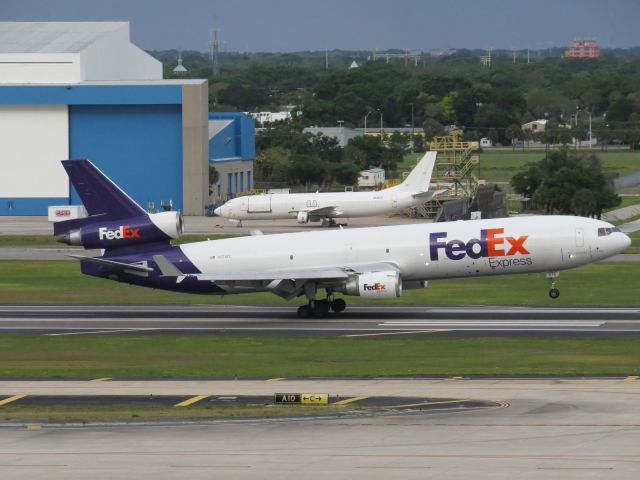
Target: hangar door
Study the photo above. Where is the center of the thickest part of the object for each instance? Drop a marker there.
(33, 140)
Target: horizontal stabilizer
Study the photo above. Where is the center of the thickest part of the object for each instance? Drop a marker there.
(116, 266)
(428, 195)
(65, 226)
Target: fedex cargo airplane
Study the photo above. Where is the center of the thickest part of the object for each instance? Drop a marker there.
(378, 262)
(325, 207)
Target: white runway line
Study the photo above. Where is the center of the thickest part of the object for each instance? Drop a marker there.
(91, 332)
(394, 333)
(496, 323)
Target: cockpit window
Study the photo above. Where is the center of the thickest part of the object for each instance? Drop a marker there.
(603, 232)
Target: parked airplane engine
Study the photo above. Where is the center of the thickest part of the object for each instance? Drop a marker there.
(303, 217)
(386, 284)
(154, 227)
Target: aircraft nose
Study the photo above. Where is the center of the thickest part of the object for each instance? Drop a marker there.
(218, 211)
(626, 241)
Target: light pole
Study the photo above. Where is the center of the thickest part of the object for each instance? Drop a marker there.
(590, 143)
(588, 113)
(365, 121)
(412, 129)
(381, 127)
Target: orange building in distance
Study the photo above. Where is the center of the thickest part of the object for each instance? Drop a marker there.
(583, 49)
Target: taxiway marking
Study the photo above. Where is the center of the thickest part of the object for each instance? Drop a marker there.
(191, 401)
(408, 405)
(351, 400)
(11, 399)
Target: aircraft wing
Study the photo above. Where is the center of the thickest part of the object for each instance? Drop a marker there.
(293, 274)
(309, 274)
(320, 212)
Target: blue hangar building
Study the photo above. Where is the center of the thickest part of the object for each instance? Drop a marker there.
(83, 90)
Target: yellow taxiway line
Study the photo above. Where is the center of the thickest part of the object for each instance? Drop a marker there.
(11, 399)
(429, 403)
(191, 401)
(351, 400)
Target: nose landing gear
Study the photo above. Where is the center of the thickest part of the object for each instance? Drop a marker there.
(553, 279)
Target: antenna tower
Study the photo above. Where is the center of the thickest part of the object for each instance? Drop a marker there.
(214, 50)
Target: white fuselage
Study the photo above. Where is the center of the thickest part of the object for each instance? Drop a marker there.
(346, 204)
(424, 251)
(310, 207)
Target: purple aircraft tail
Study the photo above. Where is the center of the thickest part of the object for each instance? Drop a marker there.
(98, 193)
(114, 220)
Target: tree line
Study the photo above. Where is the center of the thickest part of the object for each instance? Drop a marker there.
(440, 91)
(567, 183)
(287, 154)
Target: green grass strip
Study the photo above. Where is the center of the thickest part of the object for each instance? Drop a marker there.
(60, 282)
(242, 357)
(87, 413)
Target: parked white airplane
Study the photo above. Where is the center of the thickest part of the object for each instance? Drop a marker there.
(326, 206)
(373, 262)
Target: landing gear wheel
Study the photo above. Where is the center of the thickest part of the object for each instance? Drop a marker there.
(553, 281)
(328, 222)
(338, 305)
(321, 308)
(304, 311)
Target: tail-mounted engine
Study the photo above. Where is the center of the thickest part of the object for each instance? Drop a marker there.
(92, 233)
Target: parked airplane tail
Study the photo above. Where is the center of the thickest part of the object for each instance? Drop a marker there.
(115, 220)
(419, 178)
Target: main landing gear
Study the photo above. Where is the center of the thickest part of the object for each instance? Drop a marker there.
(320, 308)
(553, 279)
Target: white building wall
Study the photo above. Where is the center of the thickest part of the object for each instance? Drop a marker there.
(33, 140)
(114, 57)
(107, 55)
(40, 68)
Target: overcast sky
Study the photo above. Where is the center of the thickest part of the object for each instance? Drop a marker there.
(295, 25)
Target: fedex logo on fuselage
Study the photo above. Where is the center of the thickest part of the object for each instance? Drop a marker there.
(375, 286)
(491, 243)
(125, 231)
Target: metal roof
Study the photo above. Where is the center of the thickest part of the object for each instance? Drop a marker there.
(52, 37)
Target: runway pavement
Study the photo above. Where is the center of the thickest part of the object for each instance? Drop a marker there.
(550, 428)
(356, 321)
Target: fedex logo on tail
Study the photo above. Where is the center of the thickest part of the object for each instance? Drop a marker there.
(125, 231)
(492, 243)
